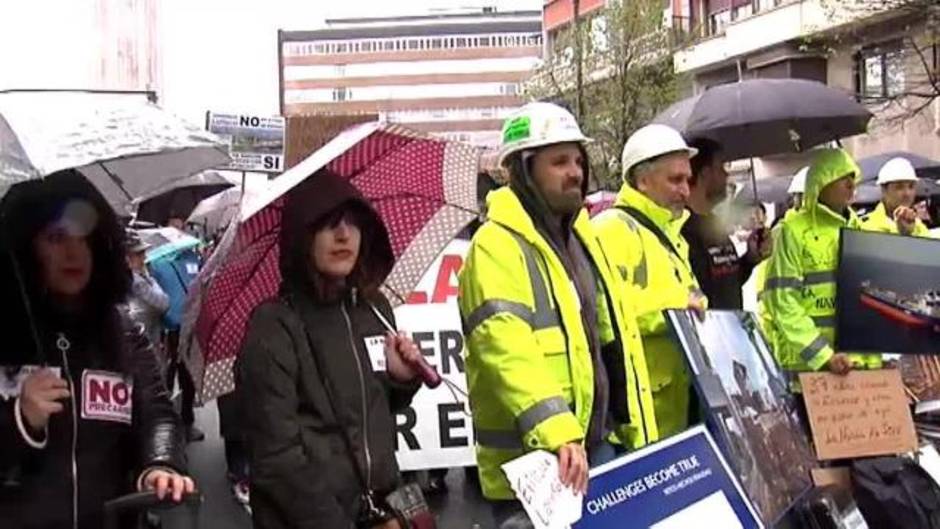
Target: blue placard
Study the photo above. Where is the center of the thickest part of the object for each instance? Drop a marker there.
(665, 484)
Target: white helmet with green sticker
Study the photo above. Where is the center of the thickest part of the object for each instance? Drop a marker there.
(537, 125)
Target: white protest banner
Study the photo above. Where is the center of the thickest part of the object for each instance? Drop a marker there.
(256, 143)
(436, 431)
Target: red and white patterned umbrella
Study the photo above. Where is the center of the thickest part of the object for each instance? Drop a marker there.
(424, 189)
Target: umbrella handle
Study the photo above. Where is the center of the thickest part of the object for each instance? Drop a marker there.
(428, 374)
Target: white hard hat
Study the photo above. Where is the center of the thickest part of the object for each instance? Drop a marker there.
(537, 125)
(798, 183)
(897, 170)
(651, 142)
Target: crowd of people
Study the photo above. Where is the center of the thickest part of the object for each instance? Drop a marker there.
(567, 351)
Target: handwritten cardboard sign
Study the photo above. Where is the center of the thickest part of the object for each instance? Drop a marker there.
(549, 504)
(862, 414)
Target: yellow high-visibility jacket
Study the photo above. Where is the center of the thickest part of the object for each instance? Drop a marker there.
(529, 367)
(800, 291)
(653, 279)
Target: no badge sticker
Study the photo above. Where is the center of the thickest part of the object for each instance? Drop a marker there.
(106, 396)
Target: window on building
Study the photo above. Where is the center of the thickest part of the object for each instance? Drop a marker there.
(485, 42)
(342, 94)
(319, 48)
(717, 22)
(881, 71)
(340, 70)
(509, 89)
(438, 114)
(461, 42)
(742, 11)
(342, 47)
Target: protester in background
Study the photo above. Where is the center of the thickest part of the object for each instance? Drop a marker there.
(795, 202)
(148, 302)
(231, 429)
(174, 275)
(712, 254)
(553, 360)
(62, 456)
(176, 221)
(800, 293)
(320, 387)
(642, 235)
(895, 213)
(796, 190)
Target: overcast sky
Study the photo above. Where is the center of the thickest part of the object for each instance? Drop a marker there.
(216, 54)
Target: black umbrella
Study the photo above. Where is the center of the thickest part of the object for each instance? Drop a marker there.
(924, 167)
(181, 197)
(759, 117)
(771, 190)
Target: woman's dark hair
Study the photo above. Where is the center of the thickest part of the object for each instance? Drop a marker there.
(368, 273)
(25, 211)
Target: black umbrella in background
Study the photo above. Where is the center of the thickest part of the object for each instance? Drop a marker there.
(760, 117)
(181, 197)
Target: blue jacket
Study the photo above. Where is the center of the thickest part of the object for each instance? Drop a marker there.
(174, 273)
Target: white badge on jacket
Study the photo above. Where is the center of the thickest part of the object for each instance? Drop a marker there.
(12, 377)
(375, 345)
(106, 396)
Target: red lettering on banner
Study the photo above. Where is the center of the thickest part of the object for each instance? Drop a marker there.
(444, 288)
(417, 298)
(99, 391)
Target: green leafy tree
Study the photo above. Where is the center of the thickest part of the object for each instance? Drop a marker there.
(625, 55)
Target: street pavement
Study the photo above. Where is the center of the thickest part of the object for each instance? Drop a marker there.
(461, 508)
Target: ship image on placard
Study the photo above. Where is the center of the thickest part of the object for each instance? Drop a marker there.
(916, 310)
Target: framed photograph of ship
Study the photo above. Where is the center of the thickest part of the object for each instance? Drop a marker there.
(888, 294)
(747, 407)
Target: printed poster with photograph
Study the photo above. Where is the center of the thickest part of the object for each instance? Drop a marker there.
(748, 407)
(888, 294)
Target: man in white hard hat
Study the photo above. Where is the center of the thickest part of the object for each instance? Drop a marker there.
(796, 189)
(642, 236)
(895, 213)
(553, 360)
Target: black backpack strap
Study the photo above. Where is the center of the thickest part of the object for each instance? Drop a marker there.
(645, 221)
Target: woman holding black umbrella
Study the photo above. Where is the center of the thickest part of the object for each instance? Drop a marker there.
(84, 416)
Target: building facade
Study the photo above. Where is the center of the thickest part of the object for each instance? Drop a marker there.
(455, 75)
(846, 44)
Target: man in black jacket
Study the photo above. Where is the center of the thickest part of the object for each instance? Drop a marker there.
(720, 271)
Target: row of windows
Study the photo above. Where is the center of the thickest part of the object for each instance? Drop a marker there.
(415, 43)
(463, 113)
(718, 20)
(346, 94)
